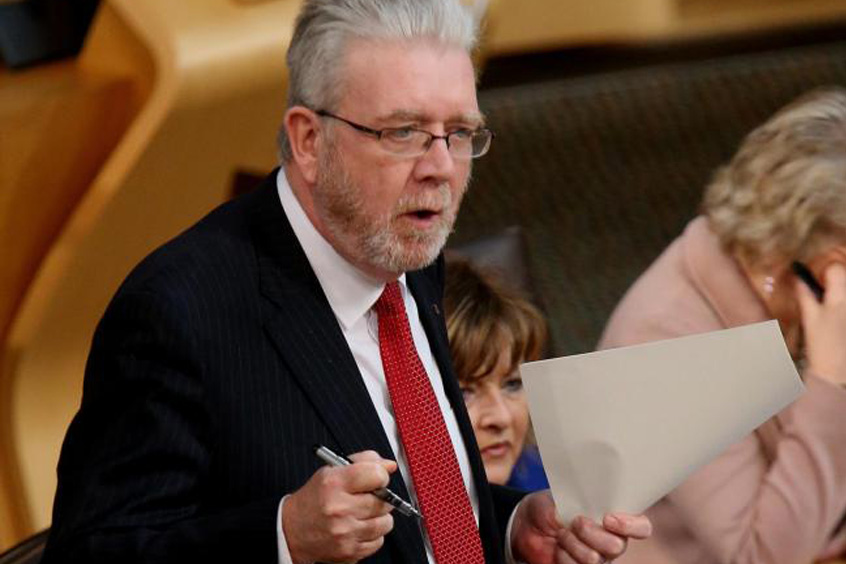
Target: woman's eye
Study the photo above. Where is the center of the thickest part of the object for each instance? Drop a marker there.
(469, 393)
(513, 385)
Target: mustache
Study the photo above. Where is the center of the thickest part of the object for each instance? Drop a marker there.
(430, 199)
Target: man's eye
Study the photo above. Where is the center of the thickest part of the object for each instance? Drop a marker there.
(400, 134)
(467, 393)
(462, 134)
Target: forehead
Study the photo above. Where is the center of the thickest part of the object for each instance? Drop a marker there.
(420, 77)
(495, 366)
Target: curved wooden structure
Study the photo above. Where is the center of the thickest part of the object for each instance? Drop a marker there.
(167, 101)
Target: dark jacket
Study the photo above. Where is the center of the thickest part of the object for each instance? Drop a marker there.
(215, 369)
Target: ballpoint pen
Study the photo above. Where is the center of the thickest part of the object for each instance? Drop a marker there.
(386, 495)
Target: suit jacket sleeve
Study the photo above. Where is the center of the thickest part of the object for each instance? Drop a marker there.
(505, 501)
(134, 465)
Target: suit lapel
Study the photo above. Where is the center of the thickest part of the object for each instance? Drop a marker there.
(306, 334)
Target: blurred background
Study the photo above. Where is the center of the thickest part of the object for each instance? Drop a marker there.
(122, 122)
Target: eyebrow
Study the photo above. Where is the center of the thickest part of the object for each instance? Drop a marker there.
(477, 119)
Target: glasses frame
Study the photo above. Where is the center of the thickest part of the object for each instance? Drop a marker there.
(379, 133)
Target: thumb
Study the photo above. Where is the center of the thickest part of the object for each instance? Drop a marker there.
(543, 514)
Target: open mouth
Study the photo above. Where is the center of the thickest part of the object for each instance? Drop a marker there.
(424, 214)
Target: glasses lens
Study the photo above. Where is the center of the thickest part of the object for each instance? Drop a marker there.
(463, 144)
(404, 141)
(481, 142)
(467, 144)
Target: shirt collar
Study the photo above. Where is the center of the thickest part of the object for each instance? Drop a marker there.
(350, 292)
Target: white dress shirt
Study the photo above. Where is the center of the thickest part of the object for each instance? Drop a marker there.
(351, 295)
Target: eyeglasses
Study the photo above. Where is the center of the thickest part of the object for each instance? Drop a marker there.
(462, 144)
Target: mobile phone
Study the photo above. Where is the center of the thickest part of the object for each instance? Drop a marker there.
(805, 275)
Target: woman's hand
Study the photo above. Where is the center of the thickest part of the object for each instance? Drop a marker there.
(824, 325)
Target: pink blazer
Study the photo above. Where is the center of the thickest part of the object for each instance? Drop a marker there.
(778, 494)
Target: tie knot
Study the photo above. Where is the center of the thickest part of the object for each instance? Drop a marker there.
(390, 302)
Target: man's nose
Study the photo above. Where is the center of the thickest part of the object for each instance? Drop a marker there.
(437, 162)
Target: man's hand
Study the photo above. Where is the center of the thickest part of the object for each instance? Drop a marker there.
(334, 517)
(538, 537)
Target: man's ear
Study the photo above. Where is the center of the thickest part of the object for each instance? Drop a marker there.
(303, 128)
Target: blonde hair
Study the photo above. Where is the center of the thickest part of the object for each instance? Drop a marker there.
(783, 195)
(483, 317)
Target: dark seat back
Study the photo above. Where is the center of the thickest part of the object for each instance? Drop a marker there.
(27, 551)
(603, 171)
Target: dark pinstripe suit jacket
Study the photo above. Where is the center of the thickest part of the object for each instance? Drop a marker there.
(216, 367)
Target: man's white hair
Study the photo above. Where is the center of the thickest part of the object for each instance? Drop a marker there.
(324, 28)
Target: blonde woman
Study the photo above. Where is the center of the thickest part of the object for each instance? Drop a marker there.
(779, 495)
(491, 331)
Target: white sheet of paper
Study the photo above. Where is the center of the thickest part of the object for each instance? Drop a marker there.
(620, 428)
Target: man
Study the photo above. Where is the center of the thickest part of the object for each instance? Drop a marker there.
(308, 313)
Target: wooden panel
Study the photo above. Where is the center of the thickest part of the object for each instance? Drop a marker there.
(60, 123)
(517, 26)
(216, 96)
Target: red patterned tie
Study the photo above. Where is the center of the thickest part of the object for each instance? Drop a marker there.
(434, 469)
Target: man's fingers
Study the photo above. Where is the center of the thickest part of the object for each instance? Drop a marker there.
(373, 456)
(607, 544)
(370, 536)
(631, 526)
(561, 557)
(368, 506)
(363, 477)
(587, 542)
(545, 517)
(351, 490)
(328, 520)
(572, 540)
(372, 529)
(365, 549)
(365, 456)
